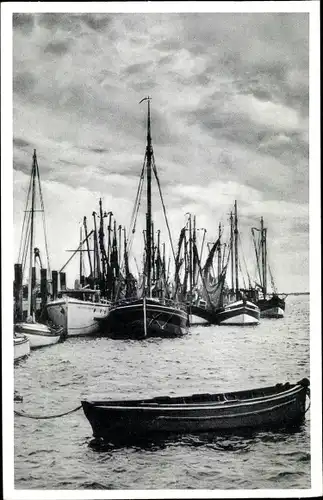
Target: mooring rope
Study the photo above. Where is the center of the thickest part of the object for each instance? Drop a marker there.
(40, 417)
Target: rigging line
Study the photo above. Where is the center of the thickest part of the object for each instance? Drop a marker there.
(257, 255)
(201, 275)
(244, 282)
(244, 261)
(164, 208)
(25, 216)
(134, 215)
(45, 417)
(25, 250)
(43, 215)
(272, 279)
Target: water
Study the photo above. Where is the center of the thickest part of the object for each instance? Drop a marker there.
(57, 454)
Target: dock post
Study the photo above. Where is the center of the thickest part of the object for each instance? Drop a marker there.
(33, 291)
(18, 315)
(62, 279)
(43, 287)
(54, 284)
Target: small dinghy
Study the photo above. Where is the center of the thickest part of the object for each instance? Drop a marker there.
(39, 335)
(21, 346)
(278, 406)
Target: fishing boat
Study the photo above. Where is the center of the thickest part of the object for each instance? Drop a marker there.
(78, 311)
(267, 407)
(39, 334)
(236, 307)
(151, 313)
(271, 305)
(21, 346)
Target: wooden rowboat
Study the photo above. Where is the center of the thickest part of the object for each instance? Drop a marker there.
(281, 405)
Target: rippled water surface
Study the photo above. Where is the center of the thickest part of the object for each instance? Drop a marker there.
(56, 454)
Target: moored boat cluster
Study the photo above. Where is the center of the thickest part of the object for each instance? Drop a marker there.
(205, 284)
(110, 299)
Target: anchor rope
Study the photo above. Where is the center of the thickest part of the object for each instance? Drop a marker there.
(45, 417)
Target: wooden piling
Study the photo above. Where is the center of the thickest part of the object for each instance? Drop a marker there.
(43, 287)
(18, 314)
(54, 284)
(62, 278)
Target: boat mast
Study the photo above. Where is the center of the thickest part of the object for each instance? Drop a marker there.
(194, 253)
(219, 252)
(149, 154)
(263, 256)
(31, 252)
(236, 247)
(190, 255)
(231, 251)
(81, 257)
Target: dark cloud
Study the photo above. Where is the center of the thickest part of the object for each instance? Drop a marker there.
(53, 20)
(71, 22)
(21, 143)
(24, 22)
(138, 68)
(58, 48)
(97, 22)
(23, 83)
(98, 150)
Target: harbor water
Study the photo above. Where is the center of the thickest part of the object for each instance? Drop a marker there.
(58, 454)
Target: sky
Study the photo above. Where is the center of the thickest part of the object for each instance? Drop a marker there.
(229, 117)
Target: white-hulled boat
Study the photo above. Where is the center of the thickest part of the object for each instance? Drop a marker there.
(237, 307)
(240, 312)
(21, 346)
(270, 305)
(38, 334)
(78, 311)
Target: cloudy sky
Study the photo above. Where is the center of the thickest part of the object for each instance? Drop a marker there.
(230, 96)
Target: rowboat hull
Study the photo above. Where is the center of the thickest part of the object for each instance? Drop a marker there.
(120, 419)
(145, 318)
(39, 335)
(21, 347)
(241, 312)
(77, 317)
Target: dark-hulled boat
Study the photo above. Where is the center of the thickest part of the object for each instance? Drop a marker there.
(239, 312)
(270, 305)
(153, 317)
(147, 315)
(282, 405)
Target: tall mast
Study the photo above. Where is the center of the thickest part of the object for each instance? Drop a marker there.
(31, 247)
(149, 154)
(190, 253)
(236, 258)
(81, 254)
(231, 251)
(194, 253)
(219, 252)
(263, 256)
(96, 249)
(158, 256)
